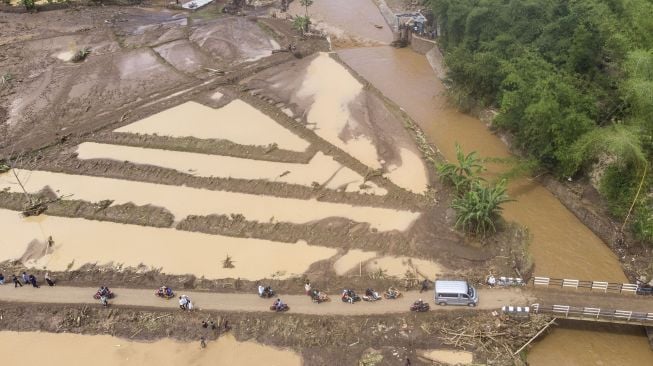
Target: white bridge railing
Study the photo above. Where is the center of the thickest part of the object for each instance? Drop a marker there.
(596, 314)
(592, 285)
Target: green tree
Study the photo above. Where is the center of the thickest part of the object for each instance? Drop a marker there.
(306, 4)
(28, 4)
(301, 23)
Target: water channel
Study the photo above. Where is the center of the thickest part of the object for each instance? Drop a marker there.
(562, 246)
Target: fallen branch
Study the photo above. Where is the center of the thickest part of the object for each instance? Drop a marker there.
(535, 336)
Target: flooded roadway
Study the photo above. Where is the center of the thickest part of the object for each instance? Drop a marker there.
(562, 246)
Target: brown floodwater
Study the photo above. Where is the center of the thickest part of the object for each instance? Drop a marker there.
(358, 18)
(184, 201)
(80, 241)
(321, 168)
(358, 260)
(562, 246)
(234, 122)
(17, 348)
(334, 93)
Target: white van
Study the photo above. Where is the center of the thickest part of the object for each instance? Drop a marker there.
(455, 293)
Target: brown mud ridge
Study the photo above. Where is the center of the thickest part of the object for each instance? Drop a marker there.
(319, 339)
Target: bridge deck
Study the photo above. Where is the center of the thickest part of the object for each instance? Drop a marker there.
(585, 298)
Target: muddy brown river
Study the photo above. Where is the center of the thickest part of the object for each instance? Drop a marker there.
(562, 246)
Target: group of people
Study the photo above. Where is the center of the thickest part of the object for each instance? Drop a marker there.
(185, 303)
(26, 279)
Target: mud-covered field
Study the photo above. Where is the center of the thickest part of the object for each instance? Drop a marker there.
(214, 152)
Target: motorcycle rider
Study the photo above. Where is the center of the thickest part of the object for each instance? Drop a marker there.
(278, 305)
(372, 294)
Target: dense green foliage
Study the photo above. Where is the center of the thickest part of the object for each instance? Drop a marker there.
(572, 80)
(477, 204)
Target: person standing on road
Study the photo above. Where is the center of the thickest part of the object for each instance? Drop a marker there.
(307, 287)
(48, 279)
(2, 279)
(16, 281)
(425, 286)
(25, 278)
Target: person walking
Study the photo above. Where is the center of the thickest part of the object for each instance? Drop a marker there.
(32, 280)
(425, 286)
(16, 281)
(49, 279)
(25, 278)
(2, 279)
(307, 287)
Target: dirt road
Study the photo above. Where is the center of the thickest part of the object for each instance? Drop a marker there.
(492, 299)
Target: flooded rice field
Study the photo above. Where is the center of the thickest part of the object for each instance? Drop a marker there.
(185, 201)
(340, 110)
(358, 19)
(74, 349)
(234, 122)
(321, 169)
(359, 261)
(80, 241)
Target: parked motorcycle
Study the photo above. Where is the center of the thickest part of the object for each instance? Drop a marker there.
(392, 294)
(420, 306)
(350, 296)
(266, 292)
(371, 295)
(103, 291)
(164, 292)
(318, 296)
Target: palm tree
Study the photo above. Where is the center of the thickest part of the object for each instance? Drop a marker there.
(465, 173)
(306, 4)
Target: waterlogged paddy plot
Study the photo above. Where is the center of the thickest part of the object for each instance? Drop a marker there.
(184, 201)
(238, 122)
(343, 113)
(80, 241)
(73, 349)
(359, 260)
(321, 168)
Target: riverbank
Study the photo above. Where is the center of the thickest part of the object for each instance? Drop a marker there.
(580, 198)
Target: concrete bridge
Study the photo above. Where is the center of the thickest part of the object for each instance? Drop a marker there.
(595, 301)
